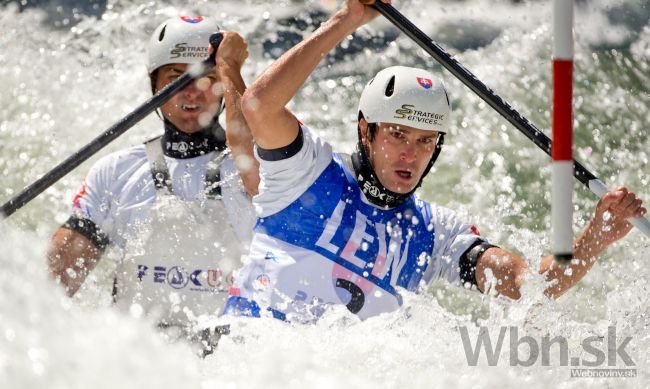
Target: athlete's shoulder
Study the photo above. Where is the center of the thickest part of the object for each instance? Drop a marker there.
(122, 157)
(283, 181)
(452, 224)
(314, 142)
(121, 163)
(440, 215)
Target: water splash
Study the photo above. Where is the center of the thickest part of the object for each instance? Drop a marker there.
(65, 84)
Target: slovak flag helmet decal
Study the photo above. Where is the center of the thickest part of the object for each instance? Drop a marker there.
(192, 20)
(424, 82)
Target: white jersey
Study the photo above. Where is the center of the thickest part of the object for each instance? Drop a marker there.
(118, 192)
(318, 241)
(180, 249)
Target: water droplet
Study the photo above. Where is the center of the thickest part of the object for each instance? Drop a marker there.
(607, 216)
(71, 273)
(136, 310)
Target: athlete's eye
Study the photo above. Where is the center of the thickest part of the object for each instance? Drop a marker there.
(427, 140)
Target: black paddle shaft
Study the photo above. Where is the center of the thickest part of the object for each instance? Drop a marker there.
(466, 77)
(112, 133)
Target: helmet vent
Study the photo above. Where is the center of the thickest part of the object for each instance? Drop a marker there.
(390, 88)
(162, 34)
(447, 96)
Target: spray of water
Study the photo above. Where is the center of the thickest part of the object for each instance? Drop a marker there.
(64, 82)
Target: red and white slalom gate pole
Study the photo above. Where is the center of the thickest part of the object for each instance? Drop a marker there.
(562, 146)
(581, 173)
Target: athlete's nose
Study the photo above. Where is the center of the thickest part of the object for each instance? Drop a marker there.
(408, 153)
(191, 89)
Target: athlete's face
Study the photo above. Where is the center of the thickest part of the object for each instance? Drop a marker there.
(194, 107)
(399, 154)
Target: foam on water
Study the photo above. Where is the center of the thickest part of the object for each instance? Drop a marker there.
(47, 341)
(63, 85)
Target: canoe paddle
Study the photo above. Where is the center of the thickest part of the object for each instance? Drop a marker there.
(194, 72)
(497, 103)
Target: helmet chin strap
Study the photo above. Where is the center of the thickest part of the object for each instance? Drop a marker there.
(374, 190)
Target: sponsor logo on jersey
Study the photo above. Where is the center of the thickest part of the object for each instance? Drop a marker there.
(263, 279)
(393, 245)
(425, 82)
(408, 112)
(142, 270)
(179, 278)
(475, 231)
(215, 277)
(192, 20)
(270, 256)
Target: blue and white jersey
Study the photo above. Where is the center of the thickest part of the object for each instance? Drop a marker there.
(325, 244)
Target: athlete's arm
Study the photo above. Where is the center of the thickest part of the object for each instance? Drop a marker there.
(231, 55)
(607, 226)
(502, 270)
(272, 124)
(75, 248)
(70, 257)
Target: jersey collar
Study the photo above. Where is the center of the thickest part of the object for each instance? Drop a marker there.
(375, 192)
(180, 145)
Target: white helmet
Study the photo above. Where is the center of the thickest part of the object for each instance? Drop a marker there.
(181, 39)
(408, 96)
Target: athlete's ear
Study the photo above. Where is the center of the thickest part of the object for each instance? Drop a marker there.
(363, 128)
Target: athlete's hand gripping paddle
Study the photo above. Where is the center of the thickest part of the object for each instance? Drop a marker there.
(497, 103)
(194, 72)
